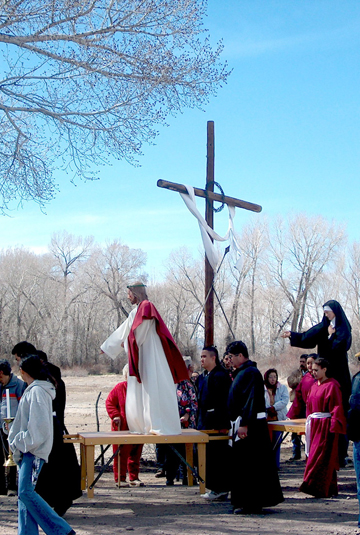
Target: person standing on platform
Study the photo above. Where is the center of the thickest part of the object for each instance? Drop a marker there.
(15, 386)
(254, 476)
(325, 421)
(155, 367)
(130, 454)
(213, 389)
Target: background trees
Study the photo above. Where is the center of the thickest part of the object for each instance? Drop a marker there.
(70, 299)
(87, 80)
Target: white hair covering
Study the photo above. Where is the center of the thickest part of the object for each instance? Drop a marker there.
(125, 371)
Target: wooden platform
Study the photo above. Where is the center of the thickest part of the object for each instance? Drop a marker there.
(88, 441)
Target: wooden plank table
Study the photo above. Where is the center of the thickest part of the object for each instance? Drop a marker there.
(88, 441)
(289, 426)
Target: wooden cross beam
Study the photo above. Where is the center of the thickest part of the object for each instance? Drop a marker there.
(210, 197)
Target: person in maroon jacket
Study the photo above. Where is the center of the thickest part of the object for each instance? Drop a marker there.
(129, 453)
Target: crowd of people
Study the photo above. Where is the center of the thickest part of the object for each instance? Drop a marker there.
(162, 394)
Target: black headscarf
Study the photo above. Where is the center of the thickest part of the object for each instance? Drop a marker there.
(342, 325)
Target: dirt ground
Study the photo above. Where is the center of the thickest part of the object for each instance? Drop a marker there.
(159, 510)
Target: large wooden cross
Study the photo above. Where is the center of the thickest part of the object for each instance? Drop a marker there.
(210, 197)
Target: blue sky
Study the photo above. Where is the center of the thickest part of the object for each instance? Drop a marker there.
(287, 135)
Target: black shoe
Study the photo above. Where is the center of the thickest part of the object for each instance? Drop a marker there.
(170, 482)
(61, 508)
(246, 511)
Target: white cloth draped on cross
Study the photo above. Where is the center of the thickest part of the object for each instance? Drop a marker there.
(207, 232)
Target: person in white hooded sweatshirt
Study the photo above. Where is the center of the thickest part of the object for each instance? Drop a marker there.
(31, 438)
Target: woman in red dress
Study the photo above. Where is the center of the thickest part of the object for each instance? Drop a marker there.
(325, 421)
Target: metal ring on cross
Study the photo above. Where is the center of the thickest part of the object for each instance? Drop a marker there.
(221, 191)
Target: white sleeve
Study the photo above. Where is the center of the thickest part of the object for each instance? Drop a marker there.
(112, 346)
(39, 428)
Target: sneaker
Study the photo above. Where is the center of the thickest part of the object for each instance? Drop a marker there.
(160, 473)
(136, 483)
(211, 495)
(11, 493)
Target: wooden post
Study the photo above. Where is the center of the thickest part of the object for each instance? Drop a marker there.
(209, 216)
(210, 197)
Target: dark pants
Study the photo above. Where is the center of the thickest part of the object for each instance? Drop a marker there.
(172, 460)
(296, 448)
(160, 456)
(218, 466)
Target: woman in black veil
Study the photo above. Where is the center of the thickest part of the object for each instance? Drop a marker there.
(332, 336)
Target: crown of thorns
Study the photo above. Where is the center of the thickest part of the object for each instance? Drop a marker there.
(136, 286)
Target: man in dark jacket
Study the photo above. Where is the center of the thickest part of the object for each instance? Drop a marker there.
(213, 388)
(354, 428)
(254, 478)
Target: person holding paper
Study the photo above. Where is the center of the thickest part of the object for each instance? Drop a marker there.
(11, 390)
(254, 477)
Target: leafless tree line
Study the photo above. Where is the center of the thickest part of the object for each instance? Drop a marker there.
(70, 299)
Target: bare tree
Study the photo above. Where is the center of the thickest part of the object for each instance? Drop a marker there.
(87, 80)
(68, 251)
(185, 295)
(112, 268)
(301, 250)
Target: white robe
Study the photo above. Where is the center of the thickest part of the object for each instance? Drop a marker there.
(151, 406)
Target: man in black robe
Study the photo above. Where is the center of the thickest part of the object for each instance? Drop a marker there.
(254, 477)
(213, 389)
(59, 481)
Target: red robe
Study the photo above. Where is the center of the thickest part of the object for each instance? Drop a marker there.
(323, 461)
(130, 454)
(298, 408)
(147, 311)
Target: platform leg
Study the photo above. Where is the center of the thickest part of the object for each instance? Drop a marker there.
(202, 466)
(83, 466)
(189, 448)
(90, 459)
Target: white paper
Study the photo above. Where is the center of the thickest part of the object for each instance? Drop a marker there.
(7, 403)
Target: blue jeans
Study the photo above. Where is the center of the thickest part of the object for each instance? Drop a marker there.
(33, 510)
(356, 454)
